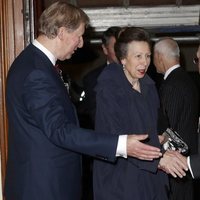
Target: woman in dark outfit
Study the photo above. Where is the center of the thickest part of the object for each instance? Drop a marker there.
(127, 101)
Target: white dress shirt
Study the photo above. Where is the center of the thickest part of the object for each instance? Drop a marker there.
(170, 70)
(45, 51)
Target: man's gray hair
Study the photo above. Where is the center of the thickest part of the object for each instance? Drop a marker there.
(168, 47)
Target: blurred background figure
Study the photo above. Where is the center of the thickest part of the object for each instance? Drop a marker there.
(88, 105)
(90, 80)
(197, 58)
(196, 61)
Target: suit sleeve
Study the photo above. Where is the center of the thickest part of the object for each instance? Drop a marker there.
(195, 165)
(43, 98)
(110, 117)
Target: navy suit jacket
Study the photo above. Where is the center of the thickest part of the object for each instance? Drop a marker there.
(195, 159)
(45, 141)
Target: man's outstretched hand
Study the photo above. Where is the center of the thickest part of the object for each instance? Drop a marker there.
(137, 149)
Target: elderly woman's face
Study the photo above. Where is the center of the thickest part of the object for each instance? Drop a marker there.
(137, 59)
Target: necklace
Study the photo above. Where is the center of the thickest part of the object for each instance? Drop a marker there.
(136, 85)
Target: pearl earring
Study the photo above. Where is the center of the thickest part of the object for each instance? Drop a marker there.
(124, 67)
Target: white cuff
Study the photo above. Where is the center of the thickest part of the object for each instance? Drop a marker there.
(189, 166)
(122, 146)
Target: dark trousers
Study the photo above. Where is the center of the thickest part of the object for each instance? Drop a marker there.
(181, 189)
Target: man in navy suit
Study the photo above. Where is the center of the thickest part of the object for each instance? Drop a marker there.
(45, 141)
(193, 161)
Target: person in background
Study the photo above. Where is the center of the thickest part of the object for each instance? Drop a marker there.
(89, 103)
(193, 161)
(108, 42)
(127, 101)
(90, 80)
(197, 59)
(179, 106)
(45, 141)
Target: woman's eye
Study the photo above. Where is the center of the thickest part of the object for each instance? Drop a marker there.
(148, 56)
(138, 56)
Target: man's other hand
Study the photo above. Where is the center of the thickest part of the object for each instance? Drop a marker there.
(136, 148)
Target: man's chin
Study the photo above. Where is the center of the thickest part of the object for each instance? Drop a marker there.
(66, 57)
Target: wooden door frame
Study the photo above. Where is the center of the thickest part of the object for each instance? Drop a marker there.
(11, 44)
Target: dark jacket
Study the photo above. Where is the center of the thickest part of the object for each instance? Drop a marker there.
(180, 101)
(90, 82)
(120, 109)
(195, 165)
(195, 159)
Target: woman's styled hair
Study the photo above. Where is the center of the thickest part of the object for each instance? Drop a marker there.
(61, 14)
(126, 36)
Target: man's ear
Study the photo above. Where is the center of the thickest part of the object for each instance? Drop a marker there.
(161, 61)
(159, 57)
(105, 51)
(61, 32)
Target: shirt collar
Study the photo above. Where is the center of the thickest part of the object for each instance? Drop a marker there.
(170, 70)
(45, 51)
